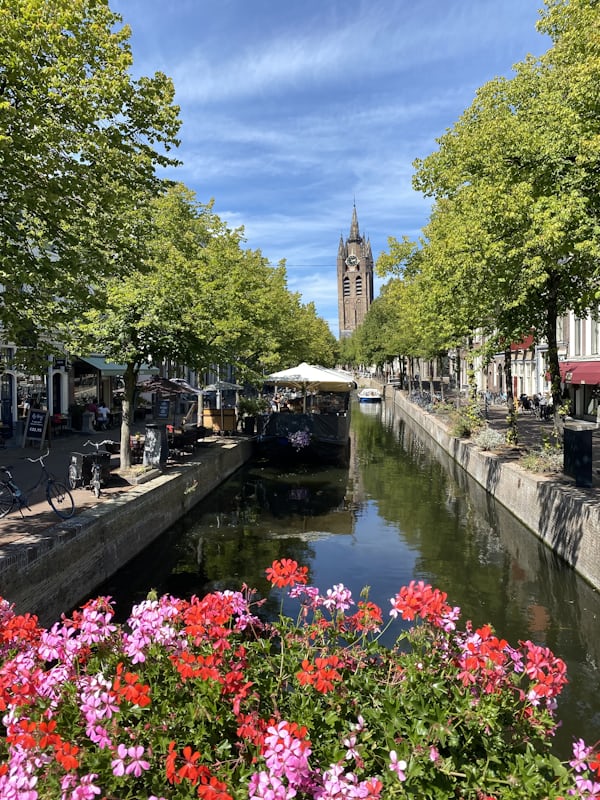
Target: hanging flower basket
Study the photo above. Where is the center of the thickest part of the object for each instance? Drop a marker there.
(299, 440)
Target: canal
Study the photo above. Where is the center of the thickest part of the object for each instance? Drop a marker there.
(402, 510)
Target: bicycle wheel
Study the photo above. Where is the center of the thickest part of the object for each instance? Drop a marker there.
(6, 500)
(60, 499)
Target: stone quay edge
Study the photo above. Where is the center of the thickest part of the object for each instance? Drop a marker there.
(52, 572)
(566, 518)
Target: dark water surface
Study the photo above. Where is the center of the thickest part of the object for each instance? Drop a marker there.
(403, 510)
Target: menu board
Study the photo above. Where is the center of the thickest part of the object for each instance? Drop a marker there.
(163, 409)
(36, 427)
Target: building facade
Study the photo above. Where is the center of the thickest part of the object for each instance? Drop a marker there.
(354, 278)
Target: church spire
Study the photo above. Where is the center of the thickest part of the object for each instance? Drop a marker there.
(354, 232)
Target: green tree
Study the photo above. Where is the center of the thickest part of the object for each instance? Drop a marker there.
(79, 144)
(516, 179)
(166, 307)
(199, 299)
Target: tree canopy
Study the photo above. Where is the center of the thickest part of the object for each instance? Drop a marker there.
(513, 239)
(80, 141)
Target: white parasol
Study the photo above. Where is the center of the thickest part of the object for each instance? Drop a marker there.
(312, 378)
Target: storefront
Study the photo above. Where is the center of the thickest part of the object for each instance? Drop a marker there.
(582, 380)
(95, 379)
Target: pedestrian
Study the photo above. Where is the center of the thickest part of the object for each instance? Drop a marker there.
(102, 414)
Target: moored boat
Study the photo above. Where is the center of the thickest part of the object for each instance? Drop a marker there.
(313, 422)
(369, 395)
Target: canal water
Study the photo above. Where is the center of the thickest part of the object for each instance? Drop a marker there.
(401, 510)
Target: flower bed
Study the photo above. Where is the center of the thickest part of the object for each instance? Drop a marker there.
(203, 698)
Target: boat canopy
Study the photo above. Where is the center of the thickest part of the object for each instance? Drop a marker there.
(313, 378)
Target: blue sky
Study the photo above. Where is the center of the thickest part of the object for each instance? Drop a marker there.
(292, 111)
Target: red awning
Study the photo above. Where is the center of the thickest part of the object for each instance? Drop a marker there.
(587, 372)
(525, 344)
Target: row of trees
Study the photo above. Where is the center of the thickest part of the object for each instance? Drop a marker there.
(99, 254)
(513, 238)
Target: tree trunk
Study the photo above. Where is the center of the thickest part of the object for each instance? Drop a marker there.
(473, 400)
(128, 407)
(512, 432)
(555, 382)
(457, 377)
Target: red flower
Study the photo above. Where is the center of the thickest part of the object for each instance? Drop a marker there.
(138, 694)
(367, 618)
(322, 674)
(213, 789)
(286, 573)
(420, 599)
(66, 754)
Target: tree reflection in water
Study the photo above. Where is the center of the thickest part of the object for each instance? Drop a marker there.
(403, 510)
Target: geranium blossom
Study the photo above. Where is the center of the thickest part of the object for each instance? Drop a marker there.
(338, 598)
(204, 698)
(398, 766)
(286, 573)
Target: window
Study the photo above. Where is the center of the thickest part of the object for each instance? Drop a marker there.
(346, 287)
(358, 286)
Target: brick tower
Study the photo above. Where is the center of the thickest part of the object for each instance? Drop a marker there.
(355, 278)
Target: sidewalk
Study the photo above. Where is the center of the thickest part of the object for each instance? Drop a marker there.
(17, 529)
(25, 474)
(533, 431)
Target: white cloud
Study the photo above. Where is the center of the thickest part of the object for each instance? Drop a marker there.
(292, 112)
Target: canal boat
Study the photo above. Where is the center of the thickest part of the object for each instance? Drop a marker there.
(369, 395)
(310, 417)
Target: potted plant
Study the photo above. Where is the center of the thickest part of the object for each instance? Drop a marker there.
(249, 408)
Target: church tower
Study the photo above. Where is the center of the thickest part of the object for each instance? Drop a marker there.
(355, 279)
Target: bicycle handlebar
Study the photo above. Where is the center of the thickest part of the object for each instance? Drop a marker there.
(97, 445)
(39, 458)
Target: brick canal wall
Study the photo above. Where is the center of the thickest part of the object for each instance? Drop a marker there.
(79, 554)
(564, 517)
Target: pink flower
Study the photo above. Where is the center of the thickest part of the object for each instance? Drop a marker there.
(85, 790)
(339, 598)
(118, 764)
(397, 766)
(350, 743)
(581, 752)
(136, 764)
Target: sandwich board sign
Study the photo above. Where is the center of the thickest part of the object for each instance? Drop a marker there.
(36, 427)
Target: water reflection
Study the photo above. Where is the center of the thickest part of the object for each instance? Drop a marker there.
(401, 510)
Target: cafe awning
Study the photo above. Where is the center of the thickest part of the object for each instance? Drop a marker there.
(583, 372)
(110, 369)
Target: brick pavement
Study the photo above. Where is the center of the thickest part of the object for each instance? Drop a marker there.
(15, 527)
(25, 474)
(532, 433)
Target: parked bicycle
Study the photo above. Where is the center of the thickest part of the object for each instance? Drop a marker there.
(98, 465)
(58, 495)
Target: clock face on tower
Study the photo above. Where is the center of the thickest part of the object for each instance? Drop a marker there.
(352, 261)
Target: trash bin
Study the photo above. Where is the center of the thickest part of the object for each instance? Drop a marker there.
(156, 446)
(87, 424)
(578, 452)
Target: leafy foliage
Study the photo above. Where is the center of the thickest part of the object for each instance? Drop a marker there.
(204, 697)
(79, 144)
